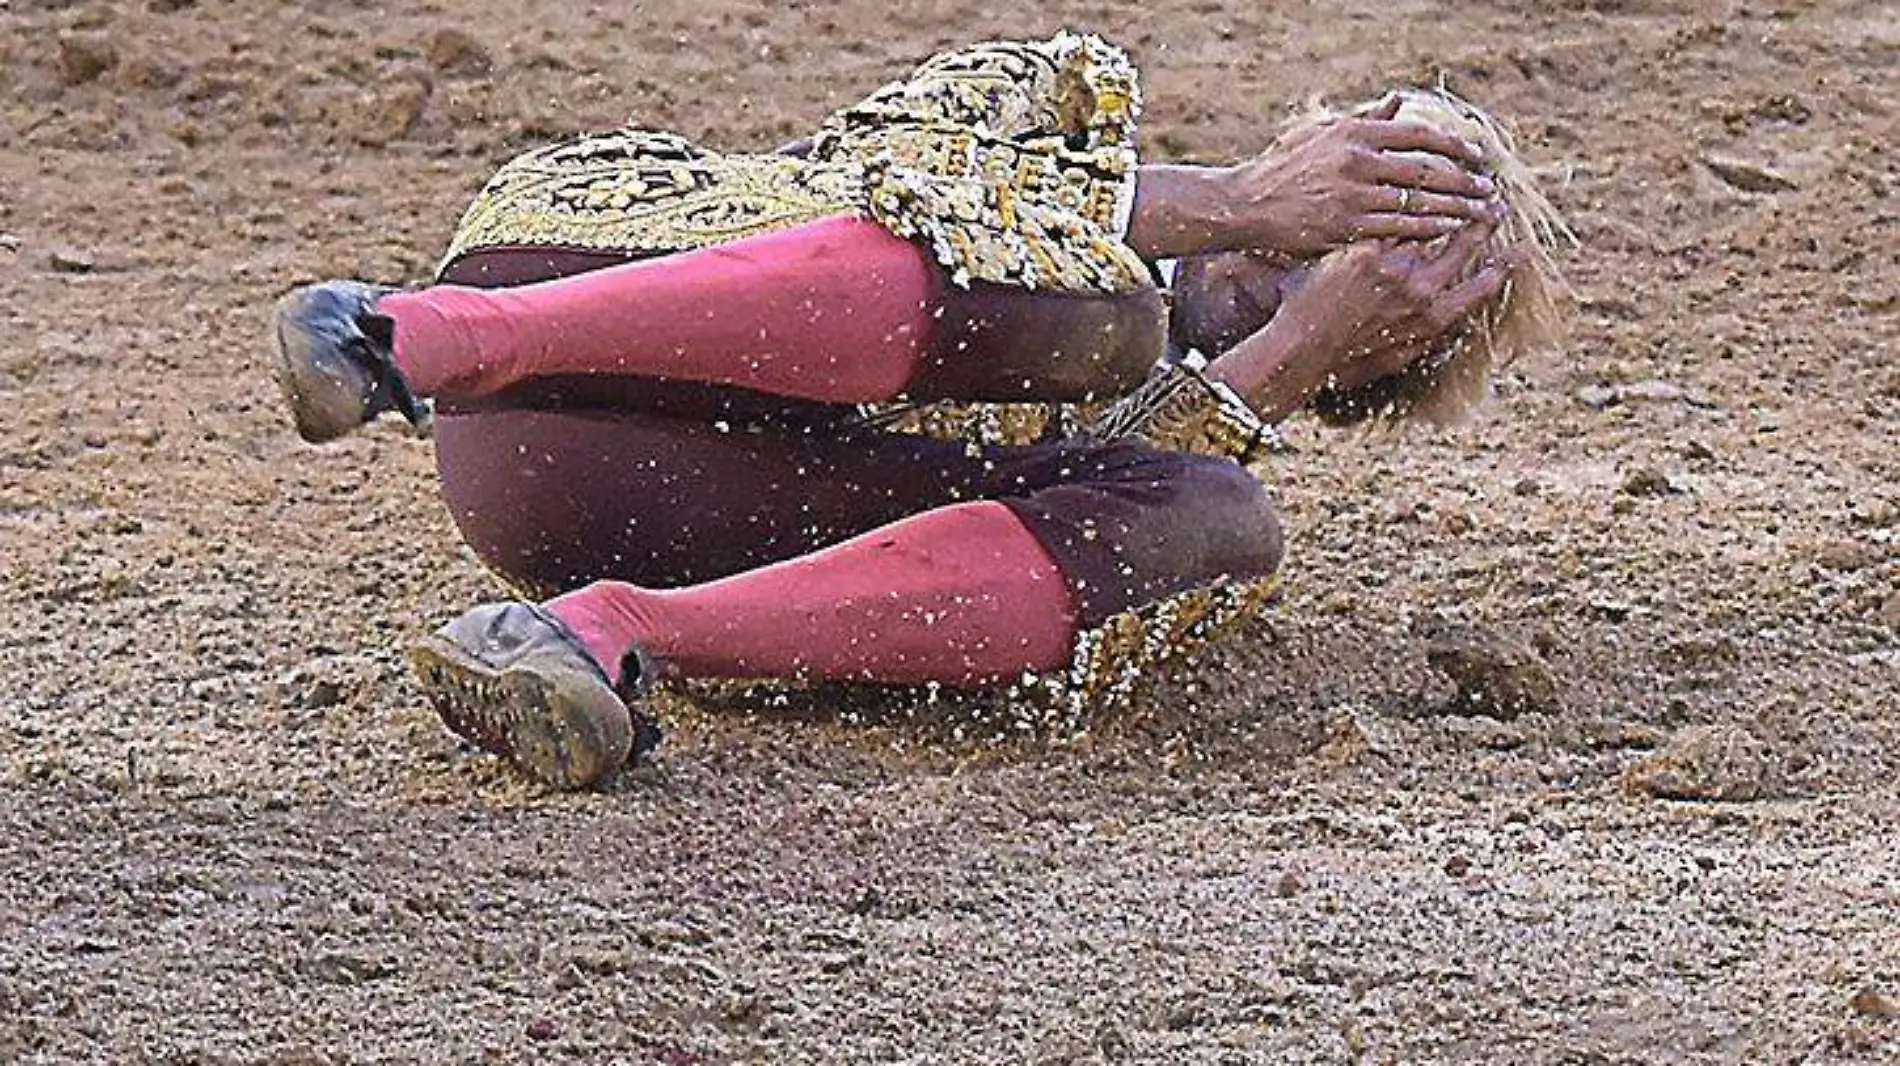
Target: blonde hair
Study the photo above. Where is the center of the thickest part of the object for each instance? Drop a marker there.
(1527, 315)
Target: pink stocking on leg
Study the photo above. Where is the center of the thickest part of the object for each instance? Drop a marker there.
(836, 310)
(961, 595)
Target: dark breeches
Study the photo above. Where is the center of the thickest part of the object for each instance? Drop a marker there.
(564, 481)
(554, 499)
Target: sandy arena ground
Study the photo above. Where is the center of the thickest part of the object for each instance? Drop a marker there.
(231, 831)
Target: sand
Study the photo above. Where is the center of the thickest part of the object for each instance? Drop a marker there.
(231, 831)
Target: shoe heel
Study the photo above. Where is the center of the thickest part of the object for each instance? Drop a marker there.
(558, 730)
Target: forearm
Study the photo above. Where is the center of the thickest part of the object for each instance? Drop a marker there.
(1182, 210)
(1279, 367)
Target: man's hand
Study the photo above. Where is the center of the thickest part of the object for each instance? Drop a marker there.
(1365, 312)
(1369, 176)
(1316, 189)
(1388, 303)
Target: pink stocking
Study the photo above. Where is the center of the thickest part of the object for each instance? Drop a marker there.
(962, 595)
(836, 310)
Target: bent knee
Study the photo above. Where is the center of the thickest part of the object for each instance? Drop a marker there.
(1243, 535)
(1003, 345)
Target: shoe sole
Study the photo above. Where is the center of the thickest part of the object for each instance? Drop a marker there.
(308, 387)
(563, 730)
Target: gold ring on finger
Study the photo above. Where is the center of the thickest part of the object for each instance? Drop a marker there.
(1405, 201)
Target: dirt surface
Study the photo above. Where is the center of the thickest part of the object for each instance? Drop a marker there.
(230, 831)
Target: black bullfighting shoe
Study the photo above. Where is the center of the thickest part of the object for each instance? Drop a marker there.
(511, 679)
(335, 361)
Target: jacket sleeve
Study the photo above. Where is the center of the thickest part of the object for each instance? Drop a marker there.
(1015, 162)
(1073, 102)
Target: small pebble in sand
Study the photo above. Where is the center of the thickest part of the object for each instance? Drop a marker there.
(1722, 764)
(543, 1029)
(1748, 176)
(1876, 1004)
(455, 53)
(82, 59)
(1496, 675)
(70, 261)
(1649, 481)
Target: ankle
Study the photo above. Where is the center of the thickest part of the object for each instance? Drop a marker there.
(609, 620)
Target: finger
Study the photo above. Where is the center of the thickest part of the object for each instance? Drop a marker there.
(1428, 174)
(1407, 227)
(1467, 296)
(1401, 201)
(1464, 247)
(1443, 266)
(1396, 136)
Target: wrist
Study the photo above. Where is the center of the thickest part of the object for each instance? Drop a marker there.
(1183, 210)
(1278, 368)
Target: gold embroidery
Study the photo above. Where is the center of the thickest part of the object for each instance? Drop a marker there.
(1113, 665)
(646, 193)
(1176, 409)
(977, 424)
(1180, 409)
(1114, 662)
